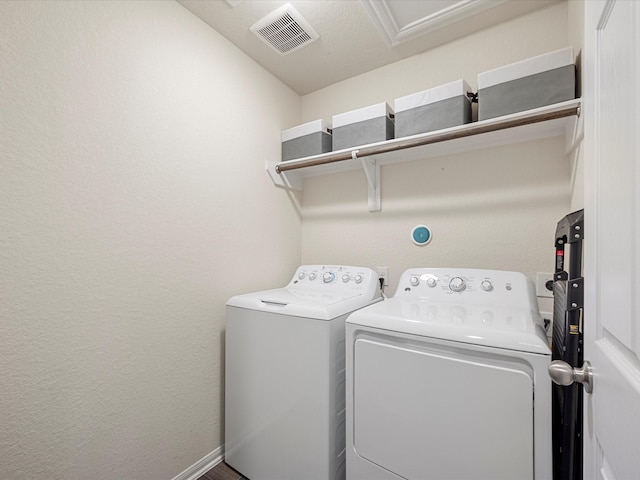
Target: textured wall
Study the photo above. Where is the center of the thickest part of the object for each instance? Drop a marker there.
(133, 203)
(490, 208)
(495, 208)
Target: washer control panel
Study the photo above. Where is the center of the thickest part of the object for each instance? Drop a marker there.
(334, 278)
(469, 286)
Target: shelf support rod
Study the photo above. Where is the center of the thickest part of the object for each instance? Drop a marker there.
(289, 181)
(372, 172)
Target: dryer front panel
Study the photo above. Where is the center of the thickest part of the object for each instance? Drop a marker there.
(438, 410)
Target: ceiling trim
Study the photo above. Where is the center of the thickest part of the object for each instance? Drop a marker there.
(385, 21)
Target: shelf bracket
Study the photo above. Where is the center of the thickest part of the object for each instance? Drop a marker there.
(287, 180)
(372, 172)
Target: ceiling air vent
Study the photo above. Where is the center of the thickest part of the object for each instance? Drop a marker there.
(284, 30)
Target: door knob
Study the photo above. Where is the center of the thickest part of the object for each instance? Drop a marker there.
(564, 374)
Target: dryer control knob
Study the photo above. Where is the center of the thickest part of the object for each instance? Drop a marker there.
(415, 281)
(358, 278)
(457, 284)
(312, 276)
(301, 275)
(345, 278)
(328, 277)
(486, 285)
(432, 282)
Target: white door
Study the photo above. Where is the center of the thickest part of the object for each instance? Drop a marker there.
(612, 238)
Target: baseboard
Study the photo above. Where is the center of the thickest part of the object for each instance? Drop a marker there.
(202, 466)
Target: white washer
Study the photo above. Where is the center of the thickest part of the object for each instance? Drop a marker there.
(285, 374)
(448, 380)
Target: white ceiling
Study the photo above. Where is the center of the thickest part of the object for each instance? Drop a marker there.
(356, 36)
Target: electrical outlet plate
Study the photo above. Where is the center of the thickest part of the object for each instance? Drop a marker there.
(383, 272)
(541, 280)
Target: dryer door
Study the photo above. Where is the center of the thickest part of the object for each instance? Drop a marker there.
(443, 410)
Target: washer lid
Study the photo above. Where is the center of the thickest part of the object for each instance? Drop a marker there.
(303, 303)
(506, 328)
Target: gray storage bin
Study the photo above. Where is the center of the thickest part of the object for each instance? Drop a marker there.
(366, 125)
(312, 138)
(532, 83)
(434, 109)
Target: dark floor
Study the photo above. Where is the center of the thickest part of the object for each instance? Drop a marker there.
(222, 472)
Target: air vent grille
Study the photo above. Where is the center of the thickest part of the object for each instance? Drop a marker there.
(284, 30)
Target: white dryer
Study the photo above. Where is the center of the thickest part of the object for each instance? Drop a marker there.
(285, 374)
(448, 380)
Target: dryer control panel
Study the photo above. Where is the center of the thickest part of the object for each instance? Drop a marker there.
(468, 286)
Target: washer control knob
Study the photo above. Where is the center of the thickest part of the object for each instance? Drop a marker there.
(328, 277)
(345, 278)
(358, 278)
(301, 275)
(457, 284)
(486, 285)
(432, 282)
(415, 281)
(313, 276)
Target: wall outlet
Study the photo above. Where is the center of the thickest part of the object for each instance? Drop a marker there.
(383, 272)
(541, 282)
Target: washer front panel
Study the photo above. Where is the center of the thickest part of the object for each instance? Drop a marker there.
(284, 379)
